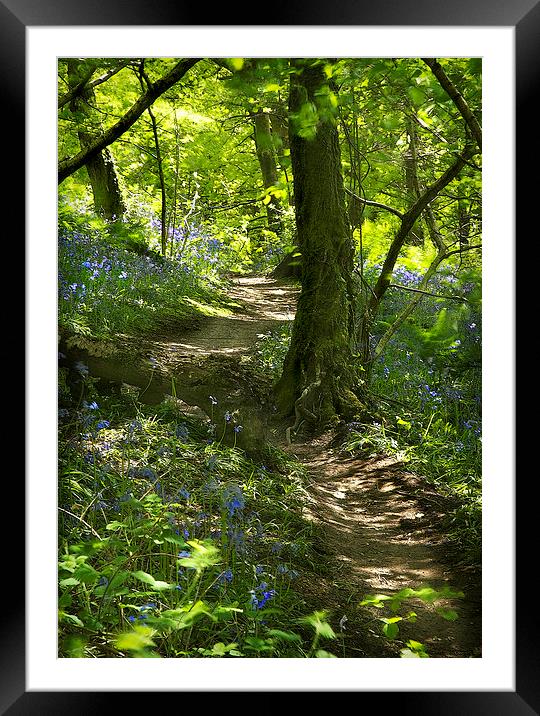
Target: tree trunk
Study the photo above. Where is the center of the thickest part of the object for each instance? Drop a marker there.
(319, 381)
(410, 159)
(108, 201)
(264, 145)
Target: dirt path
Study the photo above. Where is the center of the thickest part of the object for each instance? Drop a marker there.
(264, 305)
(379, 528)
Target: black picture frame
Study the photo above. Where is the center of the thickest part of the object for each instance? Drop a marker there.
(524, 17)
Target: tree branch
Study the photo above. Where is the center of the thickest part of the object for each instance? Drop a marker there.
(456, 97)
(68, 166)
(428, 293)
(408, 220)
(79, 87)
(377, 204)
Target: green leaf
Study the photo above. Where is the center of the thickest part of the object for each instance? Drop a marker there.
(390, 630)
(390, 123)
(153, 583)
(236, 63)
(69, 582)
(255, 643)
(374, 600)
(416, 95)
(322, 654)
(284, 635)
(448, 614)
(205, 554)
(415, 650)
(115, 525)
(404, 423)
(70, 618)
(318, 621)
(87, 574)
(135, 640)
(220, 649)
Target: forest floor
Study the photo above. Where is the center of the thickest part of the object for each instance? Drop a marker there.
(378, 527)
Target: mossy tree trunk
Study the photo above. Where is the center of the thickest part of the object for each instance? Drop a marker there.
(320, 383)
(108, 201)
(264, 145)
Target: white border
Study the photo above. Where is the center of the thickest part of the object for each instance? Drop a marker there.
(495, 670)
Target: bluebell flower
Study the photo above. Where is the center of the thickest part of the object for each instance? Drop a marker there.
(237, 428)
(233, 499)
(265, 594)
(134, 426)
(226, 576)
(102, 424)
(147, 607)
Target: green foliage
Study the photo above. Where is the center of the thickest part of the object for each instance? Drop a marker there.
(171, 545)
(111, 282)
(428, 382)
(394, 603)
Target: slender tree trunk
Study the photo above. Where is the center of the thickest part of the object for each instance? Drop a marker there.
(319, 382)
(159, 161)
(411, 180)
(108, 201)
(163, 189)
(264, 145)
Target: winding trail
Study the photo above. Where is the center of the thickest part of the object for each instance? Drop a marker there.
(379, 527)
(264, 306)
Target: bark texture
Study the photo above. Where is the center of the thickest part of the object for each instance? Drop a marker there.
(319, 382)
(108, 200)
(266, 155)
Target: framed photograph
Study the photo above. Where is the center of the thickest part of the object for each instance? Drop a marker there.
(504, 679)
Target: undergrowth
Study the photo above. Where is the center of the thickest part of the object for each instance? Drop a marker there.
(428, 385)
(171, 543)
(112, 281)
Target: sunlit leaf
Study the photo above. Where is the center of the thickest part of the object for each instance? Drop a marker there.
(139, 638)
(153, 583)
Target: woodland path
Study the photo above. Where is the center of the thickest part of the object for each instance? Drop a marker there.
(379, 527)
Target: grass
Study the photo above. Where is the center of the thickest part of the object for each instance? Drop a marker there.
(111, 283)
(175, 545)
(172, 544)
(428, 385)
